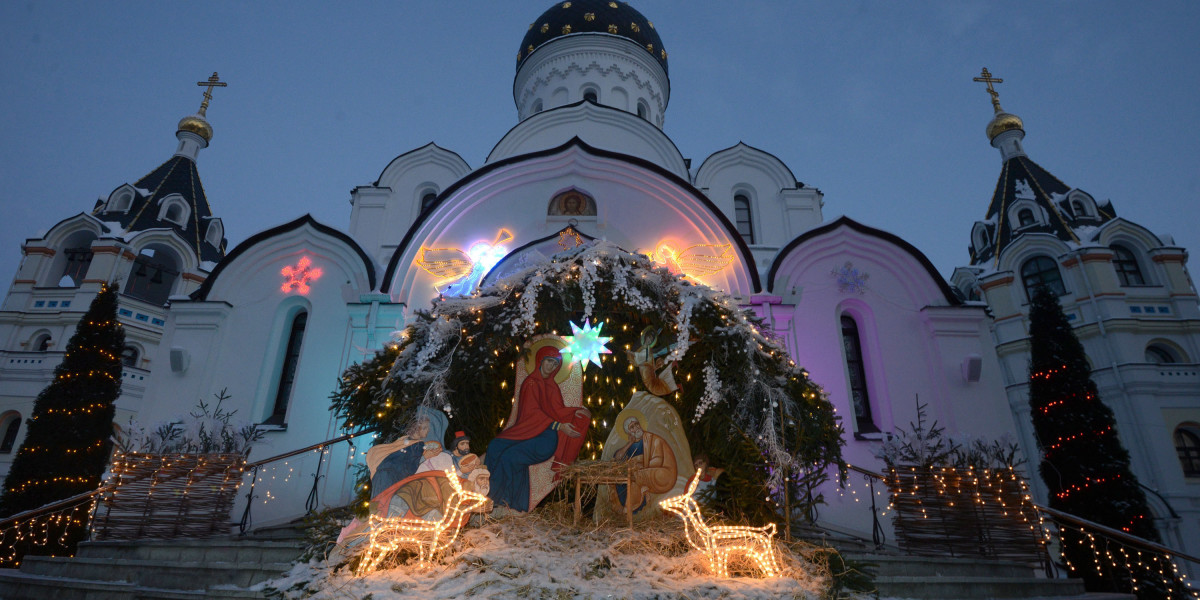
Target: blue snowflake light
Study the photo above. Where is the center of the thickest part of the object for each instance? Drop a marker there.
(586, 345)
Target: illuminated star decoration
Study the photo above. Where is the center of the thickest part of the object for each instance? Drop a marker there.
(586, 345)
(298, 277)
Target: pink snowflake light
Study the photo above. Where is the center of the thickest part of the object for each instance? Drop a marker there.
(297, 278)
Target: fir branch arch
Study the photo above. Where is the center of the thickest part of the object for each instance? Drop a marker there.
(745, 403)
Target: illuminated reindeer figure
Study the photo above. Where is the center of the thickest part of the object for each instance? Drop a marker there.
(430, 537)
(719, 542)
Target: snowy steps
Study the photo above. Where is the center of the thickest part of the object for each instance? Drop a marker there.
(154, 570)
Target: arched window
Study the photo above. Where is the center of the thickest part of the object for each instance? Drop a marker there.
(1042, 271)
(129, 356)
(214, 233)
(1126, 264)
(174, 209)
(287, 374)
(41, 343)
(591, 95)
(1161, 354)
(78, 262)
(121, 203)
(537, 106)
(428, 199)
(153, 275)
(11, 425)
(1187, 444)
(643, 111)
(1025, 217)
(745, 222)
(857, 374)
(1077, 208)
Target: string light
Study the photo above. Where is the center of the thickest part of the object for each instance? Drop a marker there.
(721, 542)
(431, 537)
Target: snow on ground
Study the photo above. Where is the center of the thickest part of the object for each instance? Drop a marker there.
(535, 556)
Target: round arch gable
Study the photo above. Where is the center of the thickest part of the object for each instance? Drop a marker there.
(265, 254)
(634, 197)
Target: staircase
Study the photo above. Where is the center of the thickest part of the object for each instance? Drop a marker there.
(934, 578)
(220, 568)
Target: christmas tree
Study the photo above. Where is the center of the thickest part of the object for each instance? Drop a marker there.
(67, 444)
(746, 406)
(1084, 465)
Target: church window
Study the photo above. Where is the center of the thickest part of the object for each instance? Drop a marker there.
(129, 356)
(152, 277)
(1160, 354)
(174, 209)
(856, 373)
(745, 222)
(287, 374)
(591, 95)
(78, 261)
(537, 106)
(643, 111)
(1042, 271)
(214, 233)
(1187, 445)
(122, 202)
(1025, 217)
(428, 199)
(1077, 208)
(1126, 264)
(11, 426)
(41, 343)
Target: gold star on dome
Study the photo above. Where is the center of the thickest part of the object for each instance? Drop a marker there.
(589, 17)
(566, 5)
(566, 29)
(635, 28)
(612, 4)
(545, 27)
(612, 28)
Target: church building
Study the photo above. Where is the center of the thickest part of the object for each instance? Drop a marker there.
(276, 319)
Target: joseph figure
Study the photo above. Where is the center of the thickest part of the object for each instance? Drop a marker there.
(654, 466)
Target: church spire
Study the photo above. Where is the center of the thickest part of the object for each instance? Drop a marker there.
(194, 132)
(1005, 130)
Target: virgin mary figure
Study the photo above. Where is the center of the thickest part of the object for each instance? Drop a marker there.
(543, 428)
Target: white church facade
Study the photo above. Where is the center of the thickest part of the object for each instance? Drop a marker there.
(275, 320)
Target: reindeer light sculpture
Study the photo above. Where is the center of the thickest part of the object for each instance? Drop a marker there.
(430, 537)
(721, 542)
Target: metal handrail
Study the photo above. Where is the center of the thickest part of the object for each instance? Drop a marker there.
(1081, 522)
(1114, 533)
(318, 445)
(45, 508)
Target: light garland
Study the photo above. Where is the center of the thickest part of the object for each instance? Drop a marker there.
(720, 542)
(431, 537)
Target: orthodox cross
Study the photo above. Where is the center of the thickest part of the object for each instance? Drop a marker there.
(984, 77)
(215, 81)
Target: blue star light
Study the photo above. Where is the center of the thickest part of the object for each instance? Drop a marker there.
(586, 345)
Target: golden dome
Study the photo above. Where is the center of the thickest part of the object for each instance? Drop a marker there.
(1003, 122)
(197, 125)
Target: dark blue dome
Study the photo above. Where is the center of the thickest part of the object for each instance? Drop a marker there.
(593, 16)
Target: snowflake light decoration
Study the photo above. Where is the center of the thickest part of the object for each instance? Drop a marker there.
(586, 345)
(298, 277)
(850, 279)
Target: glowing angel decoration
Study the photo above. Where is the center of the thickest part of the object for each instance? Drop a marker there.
(699, 260)
(458, 272)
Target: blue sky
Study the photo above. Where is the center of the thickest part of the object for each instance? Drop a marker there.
(872, 102)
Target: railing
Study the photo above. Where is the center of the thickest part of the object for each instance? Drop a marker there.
(313, 500)
(46, 526)
(1118, 558)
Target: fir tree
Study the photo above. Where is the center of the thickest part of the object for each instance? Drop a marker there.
(745, 405)
(1084, 465)
(67, 444)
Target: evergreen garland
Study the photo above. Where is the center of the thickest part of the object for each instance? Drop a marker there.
(67, 445)
(743, 402)
(1084, 465)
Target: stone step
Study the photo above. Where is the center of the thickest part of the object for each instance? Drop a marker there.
(963, 588)
(15, 585)
(181, 575)
(209, 550)
(887, 565)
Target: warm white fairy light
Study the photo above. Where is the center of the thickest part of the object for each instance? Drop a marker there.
(431, 537)
(720, 542)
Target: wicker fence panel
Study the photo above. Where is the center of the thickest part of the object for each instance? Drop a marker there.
(168, 496)
(965, 513)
